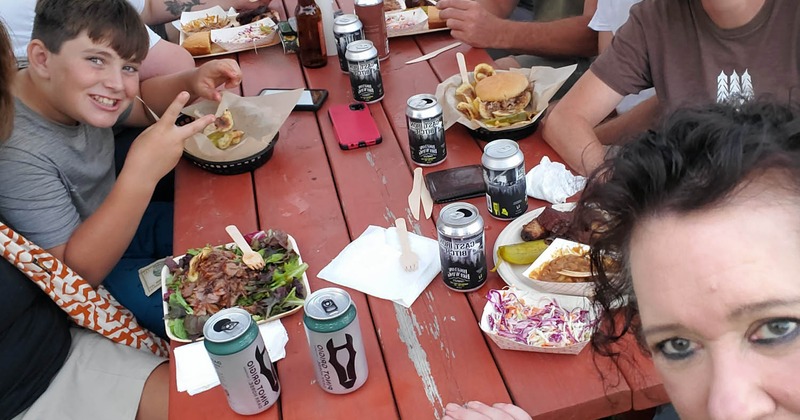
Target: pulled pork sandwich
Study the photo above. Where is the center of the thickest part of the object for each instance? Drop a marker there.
(497, 99)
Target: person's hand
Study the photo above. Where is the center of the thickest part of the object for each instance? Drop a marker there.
(213, 74)
(157, 150)
(471, 23)
(476, 410)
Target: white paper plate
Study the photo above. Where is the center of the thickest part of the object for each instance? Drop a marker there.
(513, 274)
(165, 305)
(225, 38)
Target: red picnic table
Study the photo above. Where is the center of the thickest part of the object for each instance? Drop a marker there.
(419, 358)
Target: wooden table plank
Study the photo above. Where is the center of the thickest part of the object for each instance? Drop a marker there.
(295, 192)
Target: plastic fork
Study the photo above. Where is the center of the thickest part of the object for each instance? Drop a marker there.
(408, 259)
(575, 274)
(252, 259)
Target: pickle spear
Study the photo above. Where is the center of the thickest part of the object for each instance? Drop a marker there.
(522, 253)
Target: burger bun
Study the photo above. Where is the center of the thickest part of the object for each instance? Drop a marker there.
(501, 86)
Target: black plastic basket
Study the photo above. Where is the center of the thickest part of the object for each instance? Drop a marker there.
(234, 167)
(511, 134)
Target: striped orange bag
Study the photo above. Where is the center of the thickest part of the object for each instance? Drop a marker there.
(93, 309)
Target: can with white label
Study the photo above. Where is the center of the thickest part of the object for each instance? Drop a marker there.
(461, 247)
(240, 358)
(425, 130)
(365, 71)
(346, 29)
(334, 341)
(504, 175)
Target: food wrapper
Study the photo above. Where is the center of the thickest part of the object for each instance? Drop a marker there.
(546, 82)
(260, 117)
(405, 21)
(233, 38)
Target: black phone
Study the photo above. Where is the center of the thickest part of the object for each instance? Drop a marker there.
(310, 100)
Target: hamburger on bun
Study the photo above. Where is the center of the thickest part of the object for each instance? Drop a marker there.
(503, 94)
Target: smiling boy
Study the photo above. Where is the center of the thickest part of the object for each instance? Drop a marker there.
(58, 186)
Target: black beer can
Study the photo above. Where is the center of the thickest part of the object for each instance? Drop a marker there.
(365, 71)
(346, 29)
(425, 130)
(461, 247)
(504, 175)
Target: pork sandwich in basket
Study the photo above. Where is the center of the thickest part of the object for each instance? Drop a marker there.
(497, 99)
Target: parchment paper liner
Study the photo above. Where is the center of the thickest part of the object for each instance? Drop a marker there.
(260, 117)
(546, 82)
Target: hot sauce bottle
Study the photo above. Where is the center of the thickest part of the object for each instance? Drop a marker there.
(311, 34)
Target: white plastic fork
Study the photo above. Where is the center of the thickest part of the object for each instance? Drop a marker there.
(252, 259)
(408, 259)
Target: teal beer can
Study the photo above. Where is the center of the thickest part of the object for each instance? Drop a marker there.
(334, 341)
(237, 350)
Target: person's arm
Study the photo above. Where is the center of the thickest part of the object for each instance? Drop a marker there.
(165, 58)
(161, 11)
(499, 8)
(569, 129)
(201, 82)
(624, 126)
(99, 242)
(475, 25)
(603, 40)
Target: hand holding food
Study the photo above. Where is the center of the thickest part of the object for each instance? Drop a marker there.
(495, 99)
(221, 132)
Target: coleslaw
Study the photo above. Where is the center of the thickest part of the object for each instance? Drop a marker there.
(544, 324)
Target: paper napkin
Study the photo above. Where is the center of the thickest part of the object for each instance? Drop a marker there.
(194, 371)
(553, 182)
(371, 264)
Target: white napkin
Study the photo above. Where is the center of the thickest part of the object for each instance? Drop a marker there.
(553, 182)
(194, 371)
(371, 264)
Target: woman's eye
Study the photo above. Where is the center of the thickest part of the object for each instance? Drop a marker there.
(774, 331)
(676, 348)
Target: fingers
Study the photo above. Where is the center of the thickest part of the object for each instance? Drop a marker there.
(515, 412)
(475, 410)
(174, 109)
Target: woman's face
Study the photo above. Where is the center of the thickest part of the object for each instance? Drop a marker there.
(719, 297)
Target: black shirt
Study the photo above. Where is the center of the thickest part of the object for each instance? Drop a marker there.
(34, 340)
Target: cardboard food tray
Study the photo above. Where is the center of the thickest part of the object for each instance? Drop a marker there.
(421, 28)
(557, 248)
(566, 302)
(165, 306)
(216, 49)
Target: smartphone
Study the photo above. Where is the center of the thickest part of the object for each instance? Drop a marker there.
(310, 100)
(354, 126)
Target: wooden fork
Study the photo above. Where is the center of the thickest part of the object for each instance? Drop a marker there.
(252, 259)
(408, 259)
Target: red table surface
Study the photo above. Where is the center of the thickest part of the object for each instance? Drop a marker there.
(419, 358)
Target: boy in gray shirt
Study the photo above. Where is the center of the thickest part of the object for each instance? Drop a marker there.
(58, 187)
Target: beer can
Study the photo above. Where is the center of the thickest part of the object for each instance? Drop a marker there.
(334, 341)
(365, 71)
(239, 356)
(346, 29)
(461, 247)
(504, 175)
(425, 130)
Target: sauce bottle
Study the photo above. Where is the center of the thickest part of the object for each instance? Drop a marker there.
(310, 34)
(371, 14)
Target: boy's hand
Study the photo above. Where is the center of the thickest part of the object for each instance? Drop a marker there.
(157, 150)
(208, 77)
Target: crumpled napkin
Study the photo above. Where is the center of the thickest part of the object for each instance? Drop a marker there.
(371, 264)
(552, 181)
(194, 371)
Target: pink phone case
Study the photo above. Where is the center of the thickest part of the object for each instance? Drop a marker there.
(354, 126)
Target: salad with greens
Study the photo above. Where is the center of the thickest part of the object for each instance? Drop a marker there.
(206, 280)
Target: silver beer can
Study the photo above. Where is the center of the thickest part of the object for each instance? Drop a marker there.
(346, 29)
(334, 341)
(461, 247)
(425, 130)
(504, 175)
(239, 356)
(365, 71)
